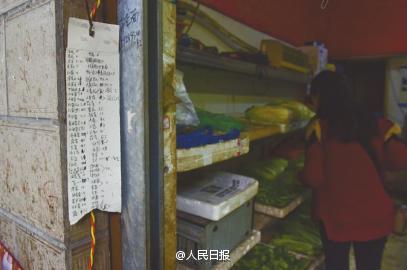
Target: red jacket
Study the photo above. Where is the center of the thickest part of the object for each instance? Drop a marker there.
(349, 197)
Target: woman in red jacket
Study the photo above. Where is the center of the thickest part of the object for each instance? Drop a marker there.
(347, 153)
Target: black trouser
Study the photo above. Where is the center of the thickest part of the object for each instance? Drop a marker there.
(368, 255)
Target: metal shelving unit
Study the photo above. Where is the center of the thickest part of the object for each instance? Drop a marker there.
(212, 61)
(195, 62)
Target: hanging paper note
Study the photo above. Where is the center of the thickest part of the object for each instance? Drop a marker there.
(93, 120)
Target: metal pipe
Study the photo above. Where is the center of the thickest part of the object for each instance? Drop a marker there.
(132, 15)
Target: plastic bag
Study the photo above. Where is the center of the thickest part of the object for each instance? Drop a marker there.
(269, 115)
(301, 111)
(186, 114)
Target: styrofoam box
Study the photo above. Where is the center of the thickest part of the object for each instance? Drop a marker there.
(216, 195)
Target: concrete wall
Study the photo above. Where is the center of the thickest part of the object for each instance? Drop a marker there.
(32, 223)
(33, 185)
(31, 193)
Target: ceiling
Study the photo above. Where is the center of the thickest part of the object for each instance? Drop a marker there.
(349, 28)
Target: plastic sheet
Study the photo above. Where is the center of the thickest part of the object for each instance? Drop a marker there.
(186, 114)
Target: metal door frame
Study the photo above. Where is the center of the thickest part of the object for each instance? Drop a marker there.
(142, 220)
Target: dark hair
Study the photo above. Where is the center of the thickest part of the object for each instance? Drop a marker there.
(346, 119)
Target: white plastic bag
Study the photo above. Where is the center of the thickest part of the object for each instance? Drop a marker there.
(186, 114)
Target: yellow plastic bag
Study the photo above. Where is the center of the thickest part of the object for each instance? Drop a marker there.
(301, 111)
(269, 115)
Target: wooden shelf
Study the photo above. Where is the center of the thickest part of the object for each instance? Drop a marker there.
(240, 251)
(212, 61)
(317, 262)
(235, 255)
(198, 157)
(279, 212)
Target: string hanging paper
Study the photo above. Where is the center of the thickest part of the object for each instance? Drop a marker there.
(91, 30)
(96, 5)
(93, 240)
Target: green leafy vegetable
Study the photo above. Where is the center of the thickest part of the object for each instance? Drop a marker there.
(278, 181)
(263, 257)
(266, 171)
(281, 191)
(299, 233)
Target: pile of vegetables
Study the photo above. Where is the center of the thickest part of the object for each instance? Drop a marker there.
(298, 233)
(266, 171)
(278, 181)
(281, 191)
(263, 257)
(297, 240)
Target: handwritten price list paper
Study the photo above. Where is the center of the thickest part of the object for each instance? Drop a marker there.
(93, 120)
